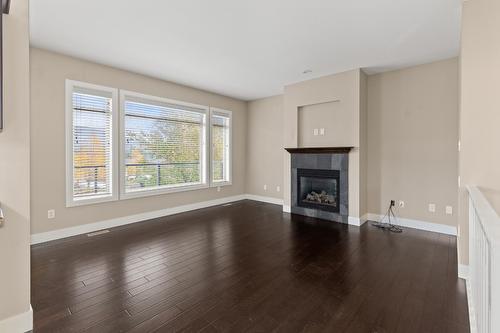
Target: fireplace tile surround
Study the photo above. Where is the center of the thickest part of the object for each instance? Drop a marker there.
(321, 160)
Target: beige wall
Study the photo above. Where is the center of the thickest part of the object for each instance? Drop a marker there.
(412, 141)
(480, 107)
(344, 88)
(407, 137)
(265, 147)
(332, 117)
(15, 166)
(48, 74)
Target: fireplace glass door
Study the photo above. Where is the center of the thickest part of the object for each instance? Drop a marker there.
(318, 189)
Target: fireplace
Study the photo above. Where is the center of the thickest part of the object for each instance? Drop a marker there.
(320, 183)
(318, 189)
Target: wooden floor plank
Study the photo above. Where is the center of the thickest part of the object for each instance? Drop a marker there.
(248, 267)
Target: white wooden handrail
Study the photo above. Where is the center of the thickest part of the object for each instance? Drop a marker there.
(484, 264)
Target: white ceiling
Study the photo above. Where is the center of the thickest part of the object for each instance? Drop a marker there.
(248, 48)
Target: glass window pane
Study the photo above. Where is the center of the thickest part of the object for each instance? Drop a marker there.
(91, 145)
(220, 148)
(163, 146)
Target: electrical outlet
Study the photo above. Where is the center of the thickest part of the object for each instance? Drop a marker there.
(401, 204)
(315, 132)
(449, 210)
(265, 187)
(278, 189)
(218, 188)
(321, 131)
(51, 213)
(432, 208)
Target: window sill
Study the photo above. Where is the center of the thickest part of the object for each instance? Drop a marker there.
(221, 183)
(160, 191)
(91, 200)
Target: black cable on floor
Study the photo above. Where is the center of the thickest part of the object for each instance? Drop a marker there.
(388, 225)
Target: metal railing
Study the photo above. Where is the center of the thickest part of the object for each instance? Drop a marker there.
(95, 174)
(158, 167)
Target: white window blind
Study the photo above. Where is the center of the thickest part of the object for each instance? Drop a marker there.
(164, 145)
(91, 145)
(221, 146)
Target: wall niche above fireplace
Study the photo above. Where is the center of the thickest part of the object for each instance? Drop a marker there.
(320, 184)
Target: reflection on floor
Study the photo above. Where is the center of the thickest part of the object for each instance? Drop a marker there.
(248, 266)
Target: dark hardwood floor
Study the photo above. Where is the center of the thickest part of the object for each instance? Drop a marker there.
(248, 267)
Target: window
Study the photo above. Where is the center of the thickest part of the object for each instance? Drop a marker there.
(163, 147)
(155, 146)
(221, 146)
(89, 142)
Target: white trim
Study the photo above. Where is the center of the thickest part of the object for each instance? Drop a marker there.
(270, 200)
(463, 271)
(155, 100)
(470, 305)
(20, 323)
(92, 227)
(417, 224)
(229, 161)
(351, 220)
(70, 86)
(357, 221)
(161, 190)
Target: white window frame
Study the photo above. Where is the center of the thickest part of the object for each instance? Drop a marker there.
(171, 189)
(229, 161)
(70, 199)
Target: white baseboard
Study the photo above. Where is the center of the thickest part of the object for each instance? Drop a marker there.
(357, 221)
(417, 224)
(120, 221)
(91, 227)
(270, 200)
(20, 323)
(463, 271)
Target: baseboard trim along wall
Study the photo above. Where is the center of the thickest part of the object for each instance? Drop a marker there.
(92, 227)
(270, 200)
(120, 221)
(417, 224)
(463, 271)
(20, 323)
(357, 221)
